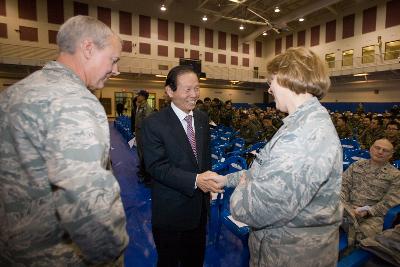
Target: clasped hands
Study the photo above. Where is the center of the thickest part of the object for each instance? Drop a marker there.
(211, 182)
(361, 212)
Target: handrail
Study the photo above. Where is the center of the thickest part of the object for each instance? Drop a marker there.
(38, 56)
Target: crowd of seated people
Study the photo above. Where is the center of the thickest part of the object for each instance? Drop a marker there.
(368, 127)
(255, 124)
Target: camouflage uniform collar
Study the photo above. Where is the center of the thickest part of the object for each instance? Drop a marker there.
(59, 67)
(300, 110)
(384, 168)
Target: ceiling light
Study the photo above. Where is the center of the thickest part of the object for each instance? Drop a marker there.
(204, 18)
(277, 10)
(161, 75)
(301, 19)
(265, 33)
(241, 27)
(203, 79)
(360, 74)
(163, 8)
(234, 82)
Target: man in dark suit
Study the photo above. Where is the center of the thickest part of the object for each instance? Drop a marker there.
(177, 155)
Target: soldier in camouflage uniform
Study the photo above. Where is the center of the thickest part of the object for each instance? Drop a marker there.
(364, 124)
(369, 188)
(248, 130)
(268, 128)
(59, 205)
(143, 110)
(214, 111)
(342, 128)
(290, 197)
(226, 115)
(393, 135)
(371, 133)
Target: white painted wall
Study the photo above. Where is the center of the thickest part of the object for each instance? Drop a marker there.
(134, 62)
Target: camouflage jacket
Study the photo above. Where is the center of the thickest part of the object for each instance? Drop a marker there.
(59, 206)
(268, 132)
(226, 117)
(366, 185)
(142, 112)
(291, 196)
(344, 132)
(369, 136)
(249, 132)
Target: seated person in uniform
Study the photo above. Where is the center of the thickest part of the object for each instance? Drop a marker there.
(370, 187)
(393, 135)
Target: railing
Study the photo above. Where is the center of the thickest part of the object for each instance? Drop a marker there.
(365, 64)
(36, 56)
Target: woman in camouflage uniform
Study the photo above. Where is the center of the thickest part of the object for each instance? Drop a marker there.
(290, 195)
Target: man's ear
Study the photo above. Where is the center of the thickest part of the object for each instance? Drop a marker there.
(169, 91)
(87, 48)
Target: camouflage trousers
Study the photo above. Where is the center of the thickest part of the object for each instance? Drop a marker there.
(361, 228)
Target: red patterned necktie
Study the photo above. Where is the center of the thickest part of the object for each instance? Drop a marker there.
(190, 134)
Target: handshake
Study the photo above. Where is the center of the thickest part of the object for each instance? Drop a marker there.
(211, 182)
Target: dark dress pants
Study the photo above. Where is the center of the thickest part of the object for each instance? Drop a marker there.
(181, 248)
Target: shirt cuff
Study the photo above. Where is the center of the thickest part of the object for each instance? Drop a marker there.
(195, 182)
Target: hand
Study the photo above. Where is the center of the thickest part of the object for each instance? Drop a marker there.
(210, 182)
(220, 180)
(242, 179)
(360, 213)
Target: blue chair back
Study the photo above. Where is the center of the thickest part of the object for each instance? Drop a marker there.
(396, 163)
(349, 143)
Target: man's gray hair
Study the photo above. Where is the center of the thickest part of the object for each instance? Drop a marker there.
(80, 27)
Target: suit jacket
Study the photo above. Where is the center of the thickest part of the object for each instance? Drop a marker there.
(168, 156)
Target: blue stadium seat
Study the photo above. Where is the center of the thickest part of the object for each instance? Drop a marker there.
(396, 163)
(232, 164)
(349, 143)
(359, 257)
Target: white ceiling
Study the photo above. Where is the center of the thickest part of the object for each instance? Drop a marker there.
(227, 15)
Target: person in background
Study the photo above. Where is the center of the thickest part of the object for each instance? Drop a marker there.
(59, 204)
(342, 128)
(393, 135)
(199, 105)
(371, 133)
(133, 113)
(143, 110)
(120, 109)
(226, 115)
(269, 129)
(178, 157)
(214, 111)
(370, 188)
(290, 196)
(207, 105)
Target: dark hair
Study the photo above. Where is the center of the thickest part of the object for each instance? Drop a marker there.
(207, 99)
(144, 93)
(393, 123)
(199, 102)
(343, 118)
(173, 74)
(378, 119)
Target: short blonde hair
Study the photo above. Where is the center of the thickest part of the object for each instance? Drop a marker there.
(300, 70)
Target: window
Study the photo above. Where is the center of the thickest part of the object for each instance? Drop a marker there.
(126, 99)
(392, 50)
(368, 54)
(347, 57)
(255, 73)
(330, 60)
